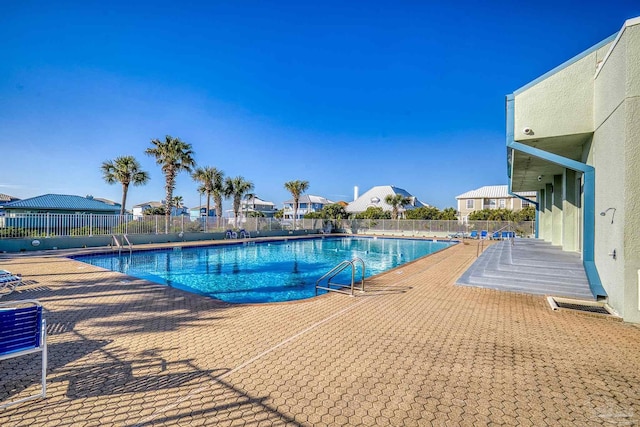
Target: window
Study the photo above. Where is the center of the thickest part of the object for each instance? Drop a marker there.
(503, 203)
(492, 203)
(469, 203)
(525, 204)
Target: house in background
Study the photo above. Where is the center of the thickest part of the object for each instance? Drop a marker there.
(5, 198)
(492, 197)
(55, 212)
(573, 136)
(306, 204)
(375, 197)
(256, 204)
(201, 211)
(138, 210)
(60, 204)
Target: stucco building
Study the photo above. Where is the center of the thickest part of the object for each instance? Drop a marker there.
(573, 136)
(493, 197)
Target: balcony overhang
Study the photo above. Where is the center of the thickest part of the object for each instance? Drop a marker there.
(531, 173)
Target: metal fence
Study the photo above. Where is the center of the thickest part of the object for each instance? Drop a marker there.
(69, 225)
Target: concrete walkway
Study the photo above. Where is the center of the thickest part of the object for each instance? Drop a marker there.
(529, 266)
(413, 350)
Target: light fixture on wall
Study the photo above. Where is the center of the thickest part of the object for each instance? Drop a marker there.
(603, 213)
(539, 178)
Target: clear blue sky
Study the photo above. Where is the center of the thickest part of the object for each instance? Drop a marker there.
(337, 93)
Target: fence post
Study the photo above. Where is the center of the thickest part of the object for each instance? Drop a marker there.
(182, 226)
(48, 224)
(156, 217)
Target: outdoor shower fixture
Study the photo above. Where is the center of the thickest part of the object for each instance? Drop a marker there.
(603, 213)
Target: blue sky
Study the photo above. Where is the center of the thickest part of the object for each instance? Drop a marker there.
(337, 93)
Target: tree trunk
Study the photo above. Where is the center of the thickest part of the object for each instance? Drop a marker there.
(171, 178)
(125, 188)
(295, 212)
(236, 209)
(217, 200)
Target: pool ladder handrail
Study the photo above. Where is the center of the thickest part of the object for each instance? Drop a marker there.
(120, 245)
(337, 270)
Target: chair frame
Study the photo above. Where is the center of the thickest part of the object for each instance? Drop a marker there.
(35, 331)
(9, 281)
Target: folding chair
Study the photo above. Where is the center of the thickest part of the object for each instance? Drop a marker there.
(23, 330)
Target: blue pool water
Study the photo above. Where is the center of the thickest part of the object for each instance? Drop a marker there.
(263, 272)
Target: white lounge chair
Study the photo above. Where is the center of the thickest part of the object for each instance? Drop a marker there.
(8, 282)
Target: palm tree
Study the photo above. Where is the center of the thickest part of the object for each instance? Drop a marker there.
(296, 188)
(175, 156)
(396, 201)
(237, 187)
(177, 202)
(218, 191)
(207, 176)
(125, 170)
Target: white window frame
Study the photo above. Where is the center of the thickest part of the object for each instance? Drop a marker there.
(472, 203)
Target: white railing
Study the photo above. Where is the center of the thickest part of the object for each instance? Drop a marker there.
(70, 225)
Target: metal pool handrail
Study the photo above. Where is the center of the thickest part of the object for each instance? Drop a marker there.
(337, 270)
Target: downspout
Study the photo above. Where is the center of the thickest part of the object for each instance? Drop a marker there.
(588, 212)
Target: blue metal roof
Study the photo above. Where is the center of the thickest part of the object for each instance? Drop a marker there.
(62, 202)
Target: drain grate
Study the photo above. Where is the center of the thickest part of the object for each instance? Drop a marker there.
(583, 307)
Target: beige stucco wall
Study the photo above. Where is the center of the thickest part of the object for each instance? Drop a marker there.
(610, 83)
(562, 104)
(615, 153)
(632, 207)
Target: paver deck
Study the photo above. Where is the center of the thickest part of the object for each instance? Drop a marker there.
(413, 350)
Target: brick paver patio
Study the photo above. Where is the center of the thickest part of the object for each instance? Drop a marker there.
(414, 350)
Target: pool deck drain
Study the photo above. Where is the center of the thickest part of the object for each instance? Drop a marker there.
(415, 350)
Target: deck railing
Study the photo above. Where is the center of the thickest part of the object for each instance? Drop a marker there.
(70, 225)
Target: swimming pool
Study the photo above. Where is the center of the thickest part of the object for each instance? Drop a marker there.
(263, 271)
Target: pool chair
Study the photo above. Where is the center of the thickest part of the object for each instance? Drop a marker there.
(244, 234)
(484, 234)
(230, 234)
(23, 331)
(508, 234)
(495, 235)
(473, 235)
(8, 282)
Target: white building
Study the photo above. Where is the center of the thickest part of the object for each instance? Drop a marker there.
(138, 210)
(375, 197)
(306, 204)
